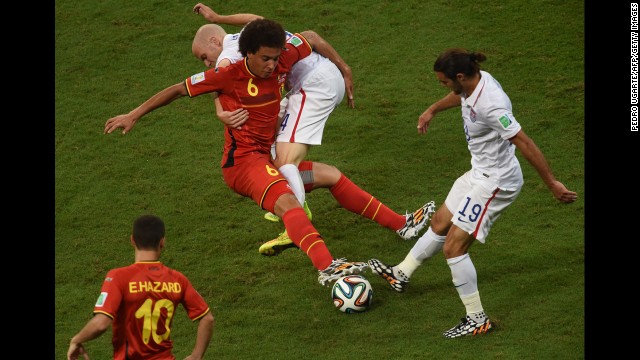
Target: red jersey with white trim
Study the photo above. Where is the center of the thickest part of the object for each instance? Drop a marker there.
(238, 87)
(142, 300)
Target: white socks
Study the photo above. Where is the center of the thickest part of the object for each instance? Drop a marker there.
(404, 270)
(428, 245)
(291, 173)
(465, 279)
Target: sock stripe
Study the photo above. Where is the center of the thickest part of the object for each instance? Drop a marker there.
(305, 238)
(310, 246)
(376, 213)
(366, 207)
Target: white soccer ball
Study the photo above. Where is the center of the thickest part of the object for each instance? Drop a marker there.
(352, 294)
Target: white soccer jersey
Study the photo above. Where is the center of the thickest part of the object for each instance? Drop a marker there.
(230, 49)
(488, 124)
(298, 73)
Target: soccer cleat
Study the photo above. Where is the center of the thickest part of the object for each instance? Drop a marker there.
(386, 271)
(338, 269)
(277, 245)
(417, 220)
(275, 218)
(468, 326)
(307, 210)
(271, 216)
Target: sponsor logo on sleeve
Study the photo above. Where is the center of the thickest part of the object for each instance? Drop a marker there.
(101, 299)
(197, 78)
(295, 41)
(505, 120)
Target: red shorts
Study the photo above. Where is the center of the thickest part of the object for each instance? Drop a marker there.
(256, 177)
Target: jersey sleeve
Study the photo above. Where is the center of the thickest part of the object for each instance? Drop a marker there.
(193, 302)
(230, 49)
(503, 121)
(207, 82)
(110, 296)
(296, 48)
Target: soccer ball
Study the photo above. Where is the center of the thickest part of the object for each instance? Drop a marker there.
(352, 294)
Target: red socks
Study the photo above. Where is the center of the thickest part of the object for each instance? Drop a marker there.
(307, 238)
(358, 201)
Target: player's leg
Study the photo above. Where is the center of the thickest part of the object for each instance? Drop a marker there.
(353, 198)
(350, 196)
(429, 244)
(304, 235)
(465, 279)
(472, 220)
(256, 179)
(303, 115)
(288, 152)
(288, 157)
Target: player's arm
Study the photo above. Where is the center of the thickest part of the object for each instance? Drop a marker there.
(534, 156)
(215, 18)
(325, 49)
(93, 329)
(234, 119)
(164, 97)
(424, 121)
(203, 337)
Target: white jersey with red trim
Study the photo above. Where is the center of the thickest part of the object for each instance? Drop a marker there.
(488, 125)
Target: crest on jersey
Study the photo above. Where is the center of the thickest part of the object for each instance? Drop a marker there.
(197, 78)
(101, 299)
(295, 41)
(505, 120)
(472, 115)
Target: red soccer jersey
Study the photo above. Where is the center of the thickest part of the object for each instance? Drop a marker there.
(142, 300)
(238, 87)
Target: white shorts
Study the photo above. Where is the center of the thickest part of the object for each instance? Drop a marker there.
(304, 112)
(476, 202)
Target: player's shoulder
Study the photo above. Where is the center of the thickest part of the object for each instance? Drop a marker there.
(297, 40)
(176, 275)
(491, 82)
(122, 272)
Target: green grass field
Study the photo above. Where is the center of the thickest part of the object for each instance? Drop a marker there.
(110, 56)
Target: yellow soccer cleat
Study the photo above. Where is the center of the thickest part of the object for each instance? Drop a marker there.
(277, 245)
(271, 216)
(275, 218)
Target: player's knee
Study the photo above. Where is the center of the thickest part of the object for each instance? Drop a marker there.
(284, 203)
(290, 153)
(325, 175)
(440, 224)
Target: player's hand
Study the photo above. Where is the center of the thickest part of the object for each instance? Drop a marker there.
(424, 121)
(206, 12)
(561, 193)
(348, 88)
(75, 350)
(125, 122)
(350, 102)
(234, 119)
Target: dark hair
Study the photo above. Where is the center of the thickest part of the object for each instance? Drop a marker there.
(261, 33)
(147, 232)
(455, 61)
